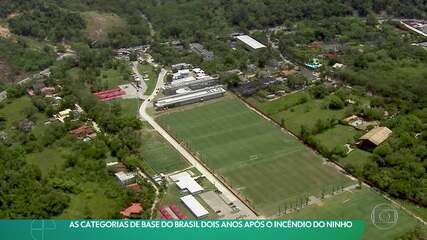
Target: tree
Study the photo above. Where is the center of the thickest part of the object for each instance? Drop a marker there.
(319, 91)
(336, 103)
(371, 20)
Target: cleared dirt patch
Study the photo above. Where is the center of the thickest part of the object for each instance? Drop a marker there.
(8, 74)
(4, 32)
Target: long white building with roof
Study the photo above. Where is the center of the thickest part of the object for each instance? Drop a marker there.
(195, 207)
(251, 43)
(190, 97)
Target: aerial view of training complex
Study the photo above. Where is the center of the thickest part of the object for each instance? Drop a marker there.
(204, 110)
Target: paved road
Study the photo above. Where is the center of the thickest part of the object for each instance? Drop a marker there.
(244, 210)
(142, 84)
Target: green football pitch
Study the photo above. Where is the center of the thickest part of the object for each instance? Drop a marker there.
(267, 166)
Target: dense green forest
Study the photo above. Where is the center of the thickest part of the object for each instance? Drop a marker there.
(380, 60)
(62, 20)
(21, 56)
(202, 19)
(25, 191)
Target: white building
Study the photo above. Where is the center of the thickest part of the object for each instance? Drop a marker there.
(195, 207)
(181, 74)
(126, 178)
(251, 43)
(190, 97)
(185, 182)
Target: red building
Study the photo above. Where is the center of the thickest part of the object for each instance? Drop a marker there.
(134, 208)
(109, 95)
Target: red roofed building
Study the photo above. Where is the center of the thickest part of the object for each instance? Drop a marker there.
(48, 90)
(330, 54)
(135, 208)
(109, 95)
(82, 131)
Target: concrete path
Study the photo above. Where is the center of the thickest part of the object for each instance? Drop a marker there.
(157, 198)
(244, 210)
(3, 95)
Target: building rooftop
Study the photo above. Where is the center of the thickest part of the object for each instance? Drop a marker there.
(125, 176)
(185, 182)
(195, 207)
(250, 42)
(377, 135)
(134, 208)
(188, 96)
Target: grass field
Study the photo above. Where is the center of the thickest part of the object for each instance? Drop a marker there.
(296, 113)
(47, 159)
(93, 202)
(242, 147)
(129, 107)
(357, 205)
(111, 78)
(158, 154)
(336, 136)
(152, 76)
(278, 105)
(14, 112)
(98, 25)
(357, 158)
(419, 211)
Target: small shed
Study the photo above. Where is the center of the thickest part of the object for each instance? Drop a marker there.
(126, 177)
(375, 137)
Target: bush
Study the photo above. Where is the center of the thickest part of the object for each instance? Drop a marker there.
(336, 103)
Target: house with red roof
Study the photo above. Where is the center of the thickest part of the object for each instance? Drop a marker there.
(83, 131)
(133, 209)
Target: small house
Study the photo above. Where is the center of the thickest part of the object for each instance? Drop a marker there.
(126, 178)
(133, 209)
(374, 137)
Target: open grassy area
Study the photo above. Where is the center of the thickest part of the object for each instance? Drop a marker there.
(111, 78)
(158, 154)
(280, 104)
(336, 136)
(47, 159)
(357, 205)
(307, 114)
(357, 158)
(418, 210)
(241, 146)
(15, 110)
(98, 25)
(95, 201)
(296, 112)
(152, 76)
(129, 107)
